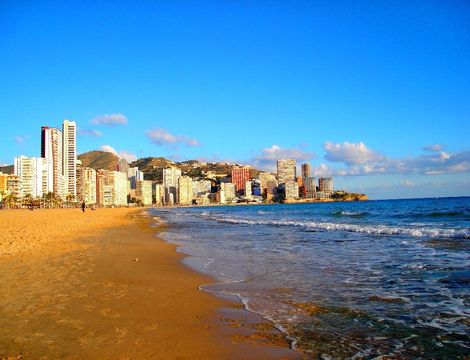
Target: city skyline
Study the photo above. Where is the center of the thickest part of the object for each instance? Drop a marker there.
(374, 95)
(59, 177)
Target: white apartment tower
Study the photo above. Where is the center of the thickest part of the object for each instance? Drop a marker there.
(32, 172)
(144, 191)
(170, 183)
(159, 194)
(69, 132)
(51, 150)
(89, 185)
(185, 190)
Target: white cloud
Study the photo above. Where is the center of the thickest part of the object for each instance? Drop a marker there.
(108, 148)
(163, 137)
(88, 132)
(360, 160)
(407, 183)
(20, 139)
(350, 153)
(433, 147)
(267, 158)
(130, 157)
(109, 120)
(2, 164)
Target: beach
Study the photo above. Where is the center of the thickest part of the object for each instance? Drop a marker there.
(99, 284)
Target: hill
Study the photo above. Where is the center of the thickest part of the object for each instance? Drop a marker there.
(97, 159)
(9, 169)
(152, 167)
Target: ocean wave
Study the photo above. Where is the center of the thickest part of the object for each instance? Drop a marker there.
(365, 229)
(435, 214)
(350, 213)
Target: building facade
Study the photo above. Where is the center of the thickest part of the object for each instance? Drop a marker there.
(226, 193)
(119, 182)
(310, 188)
(325, 185)
(248, 191)
(159, 195)
(52, 150)
(240, 175)
(144, 191)
(89, 185)
(69, 155)
(286, 170)
(185, 190)
(32, 172)
(291, 190)
(306, 171)
(134, 175)
(268, 185)
(170, 183)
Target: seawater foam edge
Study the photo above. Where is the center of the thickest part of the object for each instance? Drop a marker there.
(365, 229)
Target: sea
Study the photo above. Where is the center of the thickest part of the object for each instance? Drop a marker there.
(342, 280)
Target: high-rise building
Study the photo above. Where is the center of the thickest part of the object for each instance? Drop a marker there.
(201, 187)
(226, 193)
(144, 191)
(119, 182)
(267, 183)
(185, 190)
(69, 154)
(122, 166)
(325, 185)
(240, 175)
(79, 178)
(306, 170)
(104, 191)
(310, 188)
(134, 175)
(159, 194)
(286, 170)
(291, 190)
(111, 188)
(89, 185)
(3, 182)
(170, 183)
(51, 150)
(32, 172)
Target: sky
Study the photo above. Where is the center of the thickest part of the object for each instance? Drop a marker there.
(374, 93)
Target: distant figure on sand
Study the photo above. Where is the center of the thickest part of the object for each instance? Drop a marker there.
(83, 206)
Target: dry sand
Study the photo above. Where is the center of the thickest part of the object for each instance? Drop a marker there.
(100, 285)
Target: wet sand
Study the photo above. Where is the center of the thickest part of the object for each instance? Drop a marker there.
(99, 284)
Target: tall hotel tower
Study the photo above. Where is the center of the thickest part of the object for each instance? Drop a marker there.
(69, 132)
(306, 171)
(286, 170)
(51, 150)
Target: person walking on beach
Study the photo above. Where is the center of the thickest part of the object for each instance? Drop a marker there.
(83, 206)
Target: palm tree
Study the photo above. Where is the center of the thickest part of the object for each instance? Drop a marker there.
(10, 200)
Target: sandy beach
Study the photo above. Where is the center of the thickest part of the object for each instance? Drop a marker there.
(100, 285)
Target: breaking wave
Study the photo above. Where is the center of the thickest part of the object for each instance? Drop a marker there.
(365, 229)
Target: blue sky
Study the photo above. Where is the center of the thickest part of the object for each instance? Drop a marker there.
(376, 93)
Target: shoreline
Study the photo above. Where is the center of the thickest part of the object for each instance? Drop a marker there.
(101, 284)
